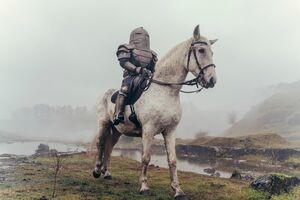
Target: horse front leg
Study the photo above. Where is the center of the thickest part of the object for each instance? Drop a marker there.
(170, 142)
(147, 140)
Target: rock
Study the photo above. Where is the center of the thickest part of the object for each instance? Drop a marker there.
(275, 183)
(217, 174)
(248, 177)
(236, 175)
(42, 148)
(210, 170)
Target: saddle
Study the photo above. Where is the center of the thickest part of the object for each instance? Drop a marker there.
(136, 89)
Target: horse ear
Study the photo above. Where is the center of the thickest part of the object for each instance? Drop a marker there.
(196, 33)
(212, 41)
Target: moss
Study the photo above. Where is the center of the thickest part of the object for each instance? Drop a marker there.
(282, 177)
(293, 195)
(294, 159)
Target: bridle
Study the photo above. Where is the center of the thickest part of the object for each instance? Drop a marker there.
(192, 82)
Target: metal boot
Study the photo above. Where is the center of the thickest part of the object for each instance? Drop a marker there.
(119, 110)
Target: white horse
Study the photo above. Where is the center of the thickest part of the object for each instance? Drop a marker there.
(158, 109)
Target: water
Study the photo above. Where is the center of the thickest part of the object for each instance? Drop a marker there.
(187, 165)
(28, 148)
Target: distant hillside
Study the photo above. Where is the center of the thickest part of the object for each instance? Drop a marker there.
(280, 114)
(51, 123)
(195, 120)
(79, 123)
(268, 140)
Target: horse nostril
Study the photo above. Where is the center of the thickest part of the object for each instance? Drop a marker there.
(212, 82)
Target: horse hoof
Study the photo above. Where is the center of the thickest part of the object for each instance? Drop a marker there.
(181, 197)
(108, 177)
(95, 174)
(145, 192)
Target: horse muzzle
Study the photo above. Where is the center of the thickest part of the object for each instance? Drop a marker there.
(207, 82)
(212, 82)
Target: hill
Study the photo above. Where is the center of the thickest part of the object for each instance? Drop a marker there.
(267, 140)
(279, 113)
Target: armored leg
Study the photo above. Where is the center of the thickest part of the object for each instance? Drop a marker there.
(120, 105)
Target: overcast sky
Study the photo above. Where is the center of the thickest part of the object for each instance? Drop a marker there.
(62, 52)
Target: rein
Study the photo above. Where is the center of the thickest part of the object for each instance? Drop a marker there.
(192, 82)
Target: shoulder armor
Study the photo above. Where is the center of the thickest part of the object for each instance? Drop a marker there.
(125, 47)
(124, 51)
(154, 56)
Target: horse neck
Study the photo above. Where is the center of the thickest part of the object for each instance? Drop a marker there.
(171, 68)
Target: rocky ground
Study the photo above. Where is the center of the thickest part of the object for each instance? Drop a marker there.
(34, 178)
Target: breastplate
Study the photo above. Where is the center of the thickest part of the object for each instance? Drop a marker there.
(142, 58)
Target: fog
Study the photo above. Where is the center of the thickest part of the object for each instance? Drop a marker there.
(63, 52)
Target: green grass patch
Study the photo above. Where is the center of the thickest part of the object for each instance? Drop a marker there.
(35, 179)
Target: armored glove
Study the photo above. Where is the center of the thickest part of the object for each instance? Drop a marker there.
(143, 71)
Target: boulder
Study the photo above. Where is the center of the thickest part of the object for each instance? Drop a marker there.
(236, 175)
(275, 183)
(43, 149)
(217, 174)
(210, 170)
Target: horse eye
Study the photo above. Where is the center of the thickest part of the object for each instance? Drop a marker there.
(201, 50)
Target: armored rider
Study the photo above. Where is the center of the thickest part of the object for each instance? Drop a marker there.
(136, 59)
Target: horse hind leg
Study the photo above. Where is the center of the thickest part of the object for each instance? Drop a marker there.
(102, 131)
(109, 142)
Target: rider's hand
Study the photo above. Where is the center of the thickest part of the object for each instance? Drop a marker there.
(142, 70)
(149, 73)
(146, 72)
(139, 70)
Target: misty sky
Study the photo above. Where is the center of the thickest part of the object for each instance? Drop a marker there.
(63, 52)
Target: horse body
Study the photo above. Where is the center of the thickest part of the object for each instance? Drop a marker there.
(158, 110)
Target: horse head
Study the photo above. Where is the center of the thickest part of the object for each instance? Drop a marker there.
(200, 61)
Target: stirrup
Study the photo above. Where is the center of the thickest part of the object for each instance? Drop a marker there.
(119, 119)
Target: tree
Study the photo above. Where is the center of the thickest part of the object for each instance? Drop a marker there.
(201, 134)
(232, 117)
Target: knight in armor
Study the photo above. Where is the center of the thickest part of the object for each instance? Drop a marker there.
(136, 59)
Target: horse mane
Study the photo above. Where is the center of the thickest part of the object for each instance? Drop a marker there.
(172, 61)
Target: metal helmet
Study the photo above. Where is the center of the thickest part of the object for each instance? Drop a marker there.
(139, 37)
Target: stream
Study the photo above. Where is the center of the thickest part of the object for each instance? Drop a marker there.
(183, 164)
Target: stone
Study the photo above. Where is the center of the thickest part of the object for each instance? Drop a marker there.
(275, 183)
(210, 170)
(42, 148)
(217, 174)
(236, 175)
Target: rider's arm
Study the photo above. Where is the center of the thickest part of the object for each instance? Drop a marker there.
(126, 64)
(124, 55)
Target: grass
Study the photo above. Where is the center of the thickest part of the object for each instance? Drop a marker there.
(262, 140)
(294, 159)
(34, 179)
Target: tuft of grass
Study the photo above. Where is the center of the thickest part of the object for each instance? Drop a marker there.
(293, 195)
(294, 159)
